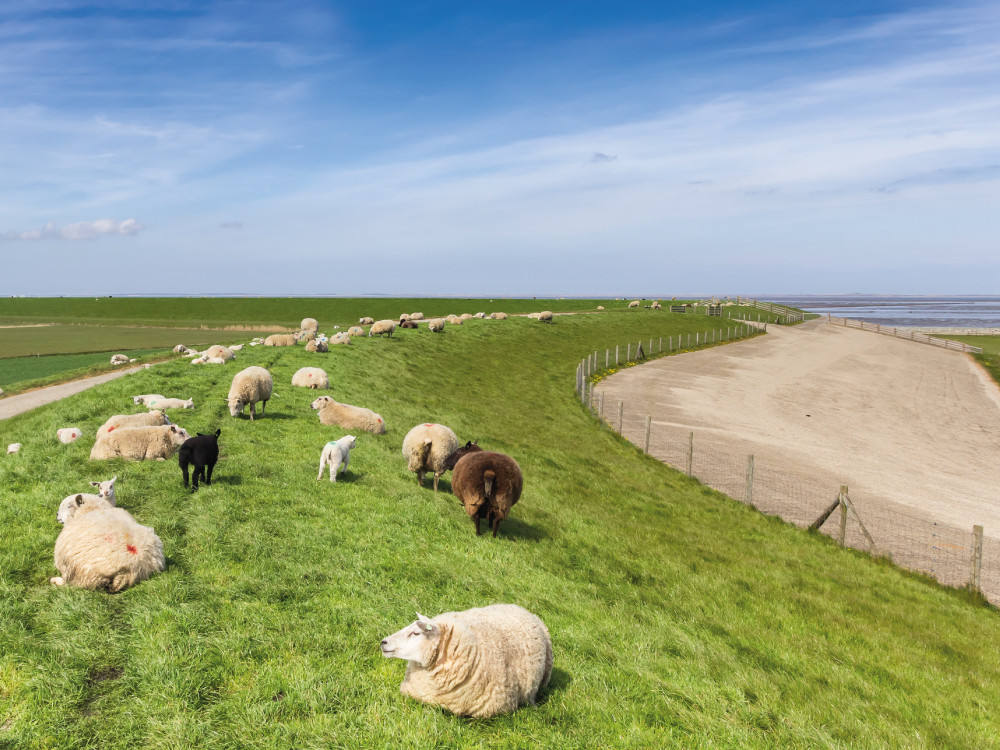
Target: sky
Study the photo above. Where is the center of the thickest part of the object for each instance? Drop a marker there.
(429, 148)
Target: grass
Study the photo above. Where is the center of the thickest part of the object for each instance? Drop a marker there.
(679, 617)
(990, 358)
(90, 339)
(27, 373)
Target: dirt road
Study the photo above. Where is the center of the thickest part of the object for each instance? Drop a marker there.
(14, 405)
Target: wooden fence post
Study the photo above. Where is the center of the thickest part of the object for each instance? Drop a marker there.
(660, 351)
(749, 491)
(697, 337)
(616, 355)
(977, 559)
(607, 358)
(621, 413)
(628, 355)
(842, 533)
(690, 453)
(601, 407)
(648, 422)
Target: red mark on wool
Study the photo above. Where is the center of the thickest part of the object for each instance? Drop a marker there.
(426, 424)
(131, 549)
(112, 427)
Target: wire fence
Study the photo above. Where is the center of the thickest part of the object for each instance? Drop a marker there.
(911, 539)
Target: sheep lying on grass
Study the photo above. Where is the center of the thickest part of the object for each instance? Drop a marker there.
(366, 321)
(466, 316)
(170, 403)
(68, 434)
(499, 316)
(281, 339)
(70, 505)
(382, 328)
(145, 419)
(416, 316)
(409, 324)
(600, 307)
(103, 547)
(336, 454)
(13, 448)
(347, 416)
(436, 325)
(488, 484)
(309, 324)
(180, 349)
(201, 451)
(426, 449)
(222, 352)
(139, 443)
(355, 331)
(144, 398)
(455, 320)
(119, 359)
(250, 386)
(318, 345)
(341, 337)
(311, 377)
(481, 662)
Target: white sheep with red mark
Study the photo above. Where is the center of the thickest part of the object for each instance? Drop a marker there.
(68, 434)
(311, 377)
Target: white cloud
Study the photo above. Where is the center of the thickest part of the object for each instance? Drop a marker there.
(81, 230)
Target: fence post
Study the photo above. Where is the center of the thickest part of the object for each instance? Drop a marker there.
(590, 401)
(842, 533)
(628, 355)
(621, 415)
(648, 422)
(977, 558)
(616, 355)
(697, 338)
(651, 346)
(660, 351)
(749, 492)
(607, 358)
(601, 407)
(690, 453)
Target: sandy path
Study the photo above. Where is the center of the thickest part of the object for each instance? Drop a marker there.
(820, 405)
(14, 405)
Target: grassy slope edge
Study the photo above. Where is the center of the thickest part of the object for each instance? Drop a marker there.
(679, 618)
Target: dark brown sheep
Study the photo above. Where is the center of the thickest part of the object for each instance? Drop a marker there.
(488, 484)
(470, 447)
(406, 323)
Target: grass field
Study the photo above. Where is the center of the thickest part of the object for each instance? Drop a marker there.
(990, 358)
(679, 618)
(89, 339)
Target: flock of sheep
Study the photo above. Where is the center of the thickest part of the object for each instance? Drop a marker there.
(479, 663)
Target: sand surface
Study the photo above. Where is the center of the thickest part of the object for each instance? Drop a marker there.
(898, 422)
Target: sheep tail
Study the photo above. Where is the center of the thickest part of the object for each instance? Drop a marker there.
(488, 478)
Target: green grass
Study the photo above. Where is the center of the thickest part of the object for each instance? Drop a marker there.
(90, 339)
(27, 373)
(679, 618)
(990, 358)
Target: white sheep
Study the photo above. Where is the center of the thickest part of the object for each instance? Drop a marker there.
(318, 345)
(192, 353)
(600, 307)
(139, 443)
(170, 403)
(481, 662)
(235, 348)
(103, 547)
(219, 351)
(70, 505)
(311, 377)
(13, 448)
(347, 416)
(366, 321)
(119, 359)
(634, 303)
(142, 399)
(336, 454)
(436, 325)
(382, 327)
(68, 434)
(180, 349)
(355, 331)
(466, 316)
(426, 448)
(479, 315)
(309, 324)
(499, 316)
(545, 316)
(341, 337)
(416, 316)
(250, 386)
(282, 339)
(455, 320)
(145, 419)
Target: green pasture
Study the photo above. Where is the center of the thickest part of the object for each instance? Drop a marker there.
(990, 358)
(88, 339)
(679, 618)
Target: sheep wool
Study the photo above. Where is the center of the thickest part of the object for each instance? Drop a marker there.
(222, 352)
(366, 321)
(311, 377)
(341, 337)
(170, 403)
(455, 320)
(180, 349)
(545, 316)
(144, 398)
(309, 324)
(634, 303)
(479, 315)
(105, 548)
(139, 443)
(416, 316)
(119, 359)
(70, 505)
(347, 416)
(382, 328)
(146, 419)
(355, 331)
(13, 448)
(250, 386)
(68, 434)
(487, 484)
(318, 345)
(281, 339)
(466, 316)
(479, 663)
(436, 325)
(499, 316)
(426, 449)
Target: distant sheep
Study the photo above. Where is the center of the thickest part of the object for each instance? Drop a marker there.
(139, 443)
(68, 434)
(426, 449)
(656, 306)
(600, 307)
(347, 416)
(145, 419)
(479, 315)
(499, 316)
(119, 359)
(170, 403)
(336, 454)
(318, 345)
(250, 386)
(235, 347)
(309, 324)
(13, 448)
(204, 360)
(305, 336)
(355, 331)
(404, 316)
(70, 505)
(366, 321)
(281, 339)
(407, 323)
(311, 377)
(436, 325)
(455, 320)
(103, 547)
(382, 328)
(341, 337)
(202, 452)
(180, 349)
(633, 304)
(479, 663)
(545, 316)
(488, 484)
(144, 398)
(466, 316)
(416, 316)
(222, 352)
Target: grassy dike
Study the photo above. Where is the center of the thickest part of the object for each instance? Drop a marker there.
(679, 618)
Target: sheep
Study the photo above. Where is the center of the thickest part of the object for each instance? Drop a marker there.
(426, 448)
(479, 315)
(13, 448)
(305, 336)
(416, 316)
(366, 321)
(479, 663)
(466, 316)
(436, 325)
(180, 349)
(469, 447)
(144, 398)
(336, 454)
(455, 320)
(340, 337)
(192, 353)
(145, 419)
(281, 339)
(219, 351)
(119, 359)
(382, 328)
(235, 347)
(104, 547)
(203, 360)
(70, 505)
(488, 484)
(311, 377)
(309, 324)
(499, 316)
(170, 403)
(202, 451)
(318, 345)
(139, 443)
(634, 303)
(600, 307)
(347, 416)
(68, 434)
(407, 323)
(544, 317)
(656, 306)
(355, 331)
(250, 386)
(403, 317)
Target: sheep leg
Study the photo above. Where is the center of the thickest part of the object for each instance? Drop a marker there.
(194, 479)
(420, 478)
(184, 469)
(437, 476)
(322, 465)
(475, 522)
(263, 406)
(208, 476)
(496, 525)
(253, 410)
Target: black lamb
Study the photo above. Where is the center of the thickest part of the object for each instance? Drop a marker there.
(202, 451)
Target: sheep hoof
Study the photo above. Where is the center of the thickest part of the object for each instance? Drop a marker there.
(57, 581)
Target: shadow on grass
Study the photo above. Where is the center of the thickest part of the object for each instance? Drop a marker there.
(559, 681)
(513, 529)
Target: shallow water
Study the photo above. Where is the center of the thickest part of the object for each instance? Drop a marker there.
(943, 312)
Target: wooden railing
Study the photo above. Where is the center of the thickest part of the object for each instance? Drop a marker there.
(904, 333)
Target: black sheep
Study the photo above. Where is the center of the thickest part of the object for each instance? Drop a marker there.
(202, 451)
(407, 323)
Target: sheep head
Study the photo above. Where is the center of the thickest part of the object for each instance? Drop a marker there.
(417, 642)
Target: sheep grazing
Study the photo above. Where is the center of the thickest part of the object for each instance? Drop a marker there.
(407, 323)
(145, 419)
(222, 352)
(479, 663)
(382, 328)
(250, 386)
(68, 434)
(545, 316)
(70, 505)
(318, 345)
(366, 321)
(119, 359)
(499, 316)
(416, 316)
(311, 377)
(347, 416)
(201, 451)
(103, 547)
(355, 331)
(426, 449)
(13, 448)
(309, 324)
(139, 443)
(634, 303)
(336, 454)
(170, 403)
(436, 325)
(144, 398)
(488, 484)
(281, 339)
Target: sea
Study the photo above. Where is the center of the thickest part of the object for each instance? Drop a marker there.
(890, 310)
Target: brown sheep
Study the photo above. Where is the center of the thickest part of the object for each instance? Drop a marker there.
(488, 484)
(407, 323)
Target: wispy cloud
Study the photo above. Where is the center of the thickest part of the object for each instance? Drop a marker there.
(231, 225)
(81, 230)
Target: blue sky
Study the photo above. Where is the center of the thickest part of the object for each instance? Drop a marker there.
(510, 148)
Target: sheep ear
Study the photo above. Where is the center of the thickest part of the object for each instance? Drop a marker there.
(425, 623)
(95, 484)
(79, 499)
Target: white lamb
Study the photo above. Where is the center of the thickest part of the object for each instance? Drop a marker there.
(144, 398)
(481, 662)
(13, 448)
(139, 443)
(170, 403)
(119, 359)
(71, 504)
(336, 454)
(68, 434)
